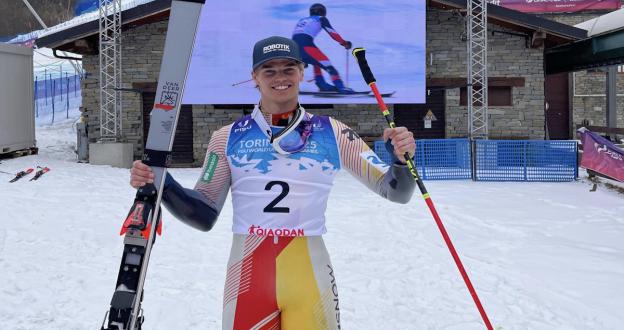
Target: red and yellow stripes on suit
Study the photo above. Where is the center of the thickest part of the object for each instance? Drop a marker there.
(280, 283)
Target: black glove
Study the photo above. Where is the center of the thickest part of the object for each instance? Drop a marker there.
(347, 44)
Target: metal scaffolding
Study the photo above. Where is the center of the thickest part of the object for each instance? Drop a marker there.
(110, 70)
(477, 69)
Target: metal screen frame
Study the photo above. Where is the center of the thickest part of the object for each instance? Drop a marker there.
(477, 91)
(110, 70)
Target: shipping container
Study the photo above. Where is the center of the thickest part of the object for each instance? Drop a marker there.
(17, 118)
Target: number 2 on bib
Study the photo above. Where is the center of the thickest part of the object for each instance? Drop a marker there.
(271, 207)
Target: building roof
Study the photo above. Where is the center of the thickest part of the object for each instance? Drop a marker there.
(79, 38)
(82, 38)
(607, 23)
(603, 47)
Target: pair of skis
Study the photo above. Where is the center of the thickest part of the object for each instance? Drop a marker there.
(144, 219)
(21, 174)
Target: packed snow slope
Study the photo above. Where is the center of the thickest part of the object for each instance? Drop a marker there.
(540, 255)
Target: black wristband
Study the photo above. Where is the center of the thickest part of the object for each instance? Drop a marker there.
(157, 158)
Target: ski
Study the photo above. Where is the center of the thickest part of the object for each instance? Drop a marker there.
(144, 219)
(40, 171)
(337, 94)
(21, 174)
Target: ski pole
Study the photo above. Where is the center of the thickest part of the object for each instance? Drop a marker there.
(347, 68)
(360, 55)
(241, 82)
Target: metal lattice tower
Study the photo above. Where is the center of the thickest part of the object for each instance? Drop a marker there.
(477, 69)
(110, 70)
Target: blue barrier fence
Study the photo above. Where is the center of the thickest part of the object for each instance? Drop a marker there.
(443, 159)
(49, 91)
(502, 160)
(522, 160)
(46, 86)
(437, 159)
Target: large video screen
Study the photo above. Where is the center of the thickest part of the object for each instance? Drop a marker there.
(391, 31)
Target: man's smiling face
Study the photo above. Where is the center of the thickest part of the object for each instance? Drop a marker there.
(278, 80)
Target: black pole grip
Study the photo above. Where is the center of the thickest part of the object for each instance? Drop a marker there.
(360, 55)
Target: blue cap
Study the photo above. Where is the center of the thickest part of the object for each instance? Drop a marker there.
(273, 48)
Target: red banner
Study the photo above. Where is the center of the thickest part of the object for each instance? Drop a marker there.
(601, 155)
(554, 6)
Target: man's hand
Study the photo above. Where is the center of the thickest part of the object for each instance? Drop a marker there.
(347, 44)
(140, 174)
(402, 141)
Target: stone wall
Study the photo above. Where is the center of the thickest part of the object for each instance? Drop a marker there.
(589, 101)
(142, 49)
(508, 56)
(588, 97)
(573, 18)
(141, 55)
(365, 119)
(446, 47)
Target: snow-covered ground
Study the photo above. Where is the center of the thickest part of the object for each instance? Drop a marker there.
(541, 255)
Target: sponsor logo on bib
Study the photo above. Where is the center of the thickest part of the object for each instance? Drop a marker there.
(259, 231)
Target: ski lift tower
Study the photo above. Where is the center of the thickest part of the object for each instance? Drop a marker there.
(477, 69)
(110, 70)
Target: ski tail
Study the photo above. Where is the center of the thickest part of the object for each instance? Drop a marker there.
(22, 174)
(40, 171)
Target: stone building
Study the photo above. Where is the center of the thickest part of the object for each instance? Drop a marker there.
(518, 87)
(587, 88)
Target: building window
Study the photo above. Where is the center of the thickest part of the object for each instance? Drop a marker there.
(498, 96)
(621, 68)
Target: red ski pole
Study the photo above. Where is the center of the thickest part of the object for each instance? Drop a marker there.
(360, 55)
(347, 69)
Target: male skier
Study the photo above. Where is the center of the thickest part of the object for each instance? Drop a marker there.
(306, 29)
(280, 163)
